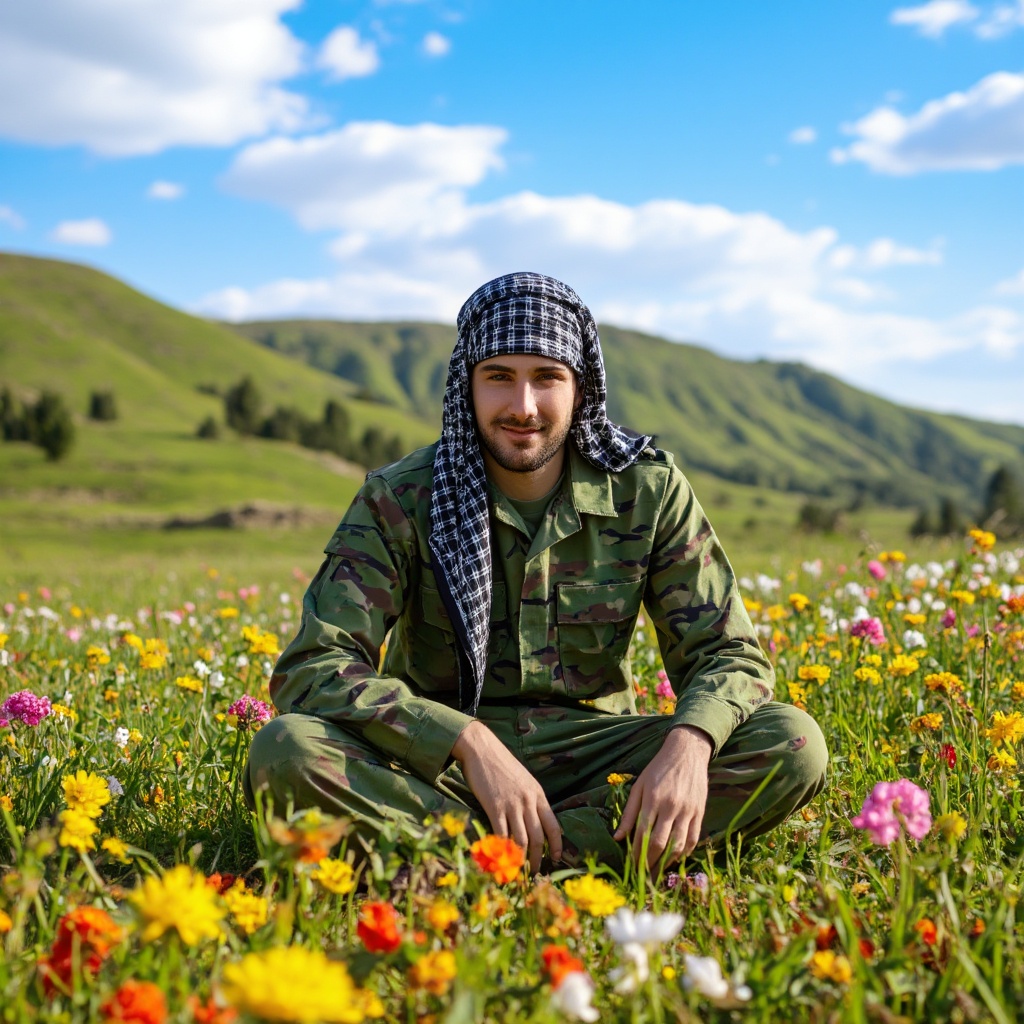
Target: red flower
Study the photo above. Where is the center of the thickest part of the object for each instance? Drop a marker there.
(136, 1002)
(85, 933)
(825, 936)
(927, 930)
(209, 1012)
(558, 962)
(378, 927)
(948, 754)
(221, 882)
(499, 857)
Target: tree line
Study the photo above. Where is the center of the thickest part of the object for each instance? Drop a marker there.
(47, 422)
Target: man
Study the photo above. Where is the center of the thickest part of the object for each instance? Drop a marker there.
(510, 561)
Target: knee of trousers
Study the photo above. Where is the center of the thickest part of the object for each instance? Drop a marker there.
(806, 757)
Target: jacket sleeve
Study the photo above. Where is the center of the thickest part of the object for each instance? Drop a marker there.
(711, 654)
(330, 669)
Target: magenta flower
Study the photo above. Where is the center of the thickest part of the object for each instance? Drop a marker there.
(664, 689)
(891, 805)
(26, 707)
(871, 629)
(877, 569)
(948, 619)
(249, 711)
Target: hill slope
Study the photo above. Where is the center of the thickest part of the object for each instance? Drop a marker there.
(780, 425)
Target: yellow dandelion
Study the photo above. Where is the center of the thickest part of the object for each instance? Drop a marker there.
(441, 915)
(152, 660)
(983, 539)
(228, 613)
(1006, 728)
(447, 880)
(926, 723)
(904, 665)
(594, 895)
(952, 825)
(179, 900)
(335, 876)
(866, 674)
(618, 779)
(819, 674)
(96, 656)
(248, 910)
(189, 683)
(827, 966)
(798, 601)
(86, 792)
(77, 830)
(131, 640)
(116, 848)
(1001, 761)
(453, 824)
(433, 972)
(962, 596)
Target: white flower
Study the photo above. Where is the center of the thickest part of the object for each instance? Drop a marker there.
(48, 613)
(704, 975)
(4, 656)
(201, 669)
(68, 696)
(216, 680)
(632, 974)
(912, 638)
(645, 928)
(116, 789)
(812, 568)
(573, 997)
(121, 735)
(913, 605)
(242, 661)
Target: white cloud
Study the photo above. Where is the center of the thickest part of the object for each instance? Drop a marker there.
(1012, 285)
(1001, 20)
(11, 218)
(132, 78)
(412, 242)
(978, 130)
(436, 45)
(92, 231)
(345, 55)
(167, 190)
(803, 136)
(933, 18)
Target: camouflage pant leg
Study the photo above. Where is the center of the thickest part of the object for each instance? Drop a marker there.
(308, 762)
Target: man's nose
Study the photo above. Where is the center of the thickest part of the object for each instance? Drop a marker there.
(524, 401)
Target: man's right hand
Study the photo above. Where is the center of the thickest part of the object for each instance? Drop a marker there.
(511, 797)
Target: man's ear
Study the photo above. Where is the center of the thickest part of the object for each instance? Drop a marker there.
(578, 400)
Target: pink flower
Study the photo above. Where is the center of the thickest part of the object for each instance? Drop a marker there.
(890, 805)
(870, 629)
(949, 618)
(44, 593)
(973, 630)
(877, 569)
(26, 707)
(664, 689)
(74, 634)
(249, 711)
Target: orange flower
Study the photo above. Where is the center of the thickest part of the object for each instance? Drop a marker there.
(209, 1012)
(558, 962)
(378, 927)
(84, 935)
(500, 858)
(221, 882)
(136, 1002)
(433, 972)
(927, 930)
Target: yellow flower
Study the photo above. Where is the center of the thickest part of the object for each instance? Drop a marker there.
(248, 909)
(228, 613)
(148, 660)
(1001, 761)
(131, 640)
(260, 642)
(890, 748)
(61, 711)
(860, 888)
(182, 900)
(1006, 729)
(799, 601)
(904, 665)
(86, 792)
(776, 612)
(618, 779)
(915, 619)
(1017, 691)
(829, 967)
(189, 683)
(788, 893)
(952, 825)
(874, 660)
(154, 645)
(943, 682)
(447, 880)
(930, 722)
(668, 973)
(797, 695)
(96, 656)
(134, 736)
(292, 983)
(892, 556)
(77, 830)
(867, 675)
(962, 596)
(817, 673)
(433, 972)
(110, 695)
(6, 803)
(453, 824)
(594, 895)
(983, 540)
(116, 848)
(753, 607)
(441, 915)
(4, 637)
(335, 876)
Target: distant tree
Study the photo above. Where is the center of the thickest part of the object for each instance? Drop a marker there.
(394, 449)
(815, 518)
(923, 525)
(283, 424)
(13, 417)
(243, 405)
(950, 520)
(1004, 507)
(209, 429)
(102, 406)
(51, 426)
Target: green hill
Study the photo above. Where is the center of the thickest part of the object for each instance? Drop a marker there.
(777, 425)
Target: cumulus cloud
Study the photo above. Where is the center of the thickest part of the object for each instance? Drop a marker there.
(981, 129)
(1001, 20)
(91, 231)
(933, 18)
(11, 218)
(803, 136)
(410, 241)
(166, 190)
(134, 78)
(344, 55)
(436, 45)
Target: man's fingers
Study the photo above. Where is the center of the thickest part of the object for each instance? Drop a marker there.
(552, 830)
(536, 849)
(629, 812)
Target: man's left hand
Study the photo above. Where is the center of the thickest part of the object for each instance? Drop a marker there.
(669, 797)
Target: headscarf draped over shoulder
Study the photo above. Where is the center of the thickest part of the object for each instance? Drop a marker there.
(518, 314)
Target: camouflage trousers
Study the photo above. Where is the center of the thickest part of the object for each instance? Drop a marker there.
(771, 766)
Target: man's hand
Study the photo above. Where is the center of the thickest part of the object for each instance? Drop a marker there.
(511, 797)
(669, 797)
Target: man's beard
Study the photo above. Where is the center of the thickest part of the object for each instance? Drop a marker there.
(516, 460)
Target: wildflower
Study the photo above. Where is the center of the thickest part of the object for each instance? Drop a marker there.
(983, 539)
(335, 876)
(594, 895)
(248, 711)
(453, 824)
(904, 665)
(814, 673)
(1001, 761)
(84, 937)
(635, 934)
(879, 818)
(210, 1012)
(953, 826)
(131, 640)
(26, 707)
(261, 642)
(664, 689)
(947, 752)
(152, 660)
(798, 695)
(962, 596)
(1017, 691)
(447, 880)
(870, 629)
(189, 683)
(573, 997)
(96, 656)
(77, 830)
(228, 612)
(248, 909)
(500, 857)
(311, 838)
(1006, 728)
(915, 619)
(135, 1002)
(618, 779)
(866, 674)
(559, 962)
(6, 803)
(827, 966)
(948, 620)
(704, 975)
(892, 556)
(923, 723)
(433, 972)
(116, 848)
(926, 929)
(6, 924)
(912, 639)
(799, 601)
(943, 682)
(86, 792)
(877, 569)
(441, 915)
(378, 927)
(121, 736)
(181, 900)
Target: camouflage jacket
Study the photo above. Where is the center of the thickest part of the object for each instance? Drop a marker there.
(564, 608)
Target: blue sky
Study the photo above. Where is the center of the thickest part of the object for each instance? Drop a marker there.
(841, 184)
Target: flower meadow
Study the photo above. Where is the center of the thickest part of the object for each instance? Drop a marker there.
(135, 886)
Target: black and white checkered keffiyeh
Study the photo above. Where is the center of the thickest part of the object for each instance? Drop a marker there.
(518, 314)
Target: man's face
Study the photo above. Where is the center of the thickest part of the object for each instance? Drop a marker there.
(524, 406)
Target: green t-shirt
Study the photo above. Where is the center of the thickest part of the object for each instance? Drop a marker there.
(532, 511)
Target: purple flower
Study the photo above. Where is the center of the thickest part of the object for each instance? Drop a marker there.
(672, 879)
(249, 711)
(891, 804)
(870, 629)
(698, 880)
(26, 707)
(949, 619)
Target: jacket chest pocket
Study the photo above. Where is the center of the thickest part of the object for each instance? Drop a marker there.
(595, 625)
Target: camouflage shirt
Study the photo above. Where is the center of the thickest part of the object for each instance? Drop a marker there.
(564, 608)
